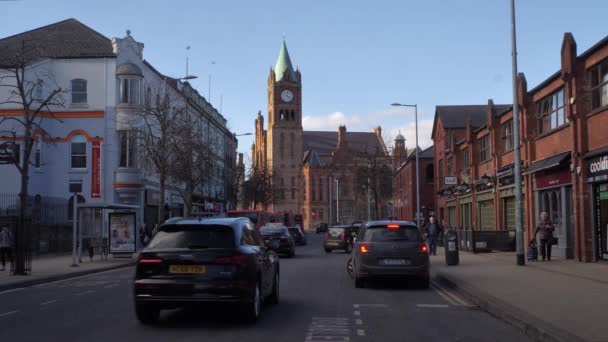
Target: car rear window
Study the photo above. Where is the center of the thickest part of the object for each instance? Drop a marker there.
(272, 230)
(194, 236)
(293, 230)
(336, 232)
(385, 234)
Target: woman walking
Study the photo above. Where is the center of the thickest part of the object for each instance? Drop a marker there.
(545, 228)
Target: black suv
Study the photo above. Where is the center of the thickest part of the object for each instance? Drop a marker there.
(196, 261)
(339, 237)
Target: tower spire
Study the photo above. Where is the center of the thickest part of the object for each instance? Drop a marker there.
(283, 68)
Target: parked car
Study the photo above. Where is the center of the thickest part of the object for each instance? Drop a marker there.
(322, 228)
(298, 235)
(196, 261)
(391, 249)
(278, 239)
(339, 237)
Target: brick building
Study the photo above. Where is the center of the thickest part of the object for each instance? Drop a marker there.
(564, 150)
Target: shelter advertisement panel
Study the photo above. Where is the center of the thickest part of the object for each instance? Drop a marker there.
(122, 232)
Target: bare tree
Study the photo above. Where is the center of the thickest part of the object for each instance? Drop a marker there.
(374, 173)
(260, 187)
(155, 126)
(36, 98)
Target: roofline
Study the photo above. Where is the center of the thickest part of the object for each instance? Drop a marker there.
(593, 48)
(545, 82)
(53, 24)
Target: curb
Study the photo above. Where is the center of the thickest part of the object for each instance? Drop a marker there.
(532, 327)
(38, 281)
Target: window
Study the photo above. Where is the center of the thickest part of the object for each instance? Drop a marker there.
(598, 76)
(128, 149)
(465, 216)
(451, 217)
(79, 152)
(247, 238)
(320, 188)
(186, 236)
(466, 164)
(37, 161)
(450, 166)
(313, 193)
(551, 112)
(429, 174)
(38, 90)
(507, 135)
(486, 215)
(448, 141)
(484, 148)
(293, 115)
(282, 115)
(148, 97)
(282, 147)
(291, 144)
(79, 91)
(440, 168)
(129, 91)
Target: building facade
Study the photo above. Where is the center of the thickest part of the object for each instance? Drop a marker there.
(313, 172)
(89, 138)
(564, 150)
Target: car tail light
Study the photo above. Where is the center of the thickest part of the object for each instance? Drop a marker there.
(327, 235)
(150, 260)
(392, 226)
(424, 249)
(342, 236)
(363, 248)
(239, 260)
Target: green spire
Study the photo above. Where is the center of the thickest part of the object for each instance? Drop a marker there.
(400, 137)
(283, 68)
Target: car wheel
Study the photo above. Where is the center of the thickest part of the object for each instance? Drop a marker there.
(424, 282)
(253, 308)
(359, 282)
(274, 296)
(327, 250)
(146, 313)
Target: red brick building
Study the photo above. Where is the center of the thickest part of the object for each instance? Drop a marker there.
(564, 150)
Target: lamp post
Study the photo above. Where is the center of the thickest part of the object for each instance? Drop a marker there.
(417, 163)
(519, 232)
(337, 201)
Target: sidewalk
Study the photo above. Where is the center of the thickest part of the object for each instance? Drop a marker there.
(561, 300)
(46, 269)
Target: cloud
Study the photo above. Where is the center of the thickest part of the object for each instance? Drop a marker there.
(425, 129)
(331, 121)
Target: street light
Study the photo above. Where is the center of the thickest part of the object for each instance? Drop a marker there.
(417, 164)
(238, 135)
(337, 201)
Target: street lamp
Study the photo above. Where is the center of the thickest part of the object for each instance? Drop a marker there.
(337, 201)
(238, 135)
(417, 163)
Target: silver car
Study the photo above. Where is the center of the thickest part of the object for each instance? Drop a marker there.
(391, 249)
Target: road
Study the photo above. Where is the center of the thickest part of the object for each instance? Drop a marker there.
(318, 303)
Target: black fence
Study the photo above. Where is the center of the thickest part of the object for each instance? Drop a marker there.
(486, 240)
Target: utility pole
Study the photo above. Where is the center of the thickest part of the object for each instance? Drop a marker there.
(519, 232)
(330, 201)
(337, 202)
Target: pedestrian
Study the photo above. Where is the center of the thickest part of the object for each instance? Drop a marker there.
(432, 232)
(6, 245)
(532, 250)
(545, 228)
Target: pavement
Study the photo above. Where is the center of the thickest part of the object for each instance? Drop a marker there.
(53, 268)
(319, 302)
(560, 300)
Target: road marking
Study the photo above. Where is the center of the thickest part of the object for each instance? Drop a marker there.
(8, 313)
(49, 302)
(82, 277)
(12, 290)
(357, 313)
(370, 305)
(85, 292)
(358, 322)
(356, 306)
(455, 298)
(432, 305)
(443, 295)
(111, 286)
(327, 329)
(360, 332)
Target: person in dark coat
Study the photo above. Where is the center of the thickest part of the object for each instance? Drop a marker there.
(432, 233)
(545, 231)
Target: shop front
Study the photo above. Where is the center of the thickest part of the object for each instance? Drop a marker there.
(597, 177)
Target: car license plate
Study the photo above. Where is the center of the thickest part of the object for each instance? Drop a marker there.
(187, 269)
(332, 243)
(397, 262)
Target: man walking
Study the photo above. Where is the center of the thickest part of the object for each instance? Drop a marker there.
(6, 244)
(432, 232)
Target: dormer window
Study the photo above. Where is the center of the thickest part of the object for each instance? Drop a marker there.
(129, 91)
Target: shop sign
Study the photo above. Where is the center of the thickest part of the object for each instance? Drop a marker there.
(597, 166)
(96, 170)
(556, 178)
(451, 180)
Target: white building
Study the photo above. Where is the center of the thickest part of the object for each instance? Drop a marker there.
(106, 80)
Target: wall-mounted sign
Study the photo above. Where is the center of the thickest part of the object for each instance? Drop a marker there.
(95, 170)
(451, 180)
(596, 167)
(556, 178)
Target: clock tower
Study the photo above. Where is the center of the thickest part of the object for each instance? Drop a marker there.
(284, 139)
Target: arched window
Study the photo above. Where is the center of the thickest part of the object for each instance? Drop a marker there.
(429, 174)
(281, 115)
(293, 115)
(79, 91)
(78, 152)
(71, 206)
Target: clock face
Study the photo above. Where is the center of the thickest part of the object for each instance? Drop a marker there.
(287, 95)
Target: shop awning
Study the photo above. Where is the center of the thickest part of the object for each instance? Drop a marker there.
(547, 163)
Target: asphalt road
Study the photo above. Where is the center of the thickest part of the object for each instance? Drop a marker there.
(318, 303)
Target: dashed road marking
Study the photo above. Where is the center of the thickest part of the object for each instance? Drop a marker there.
(111, 286)
(360, 332)
(8, 313)
(49, 302)
(357, 313)
(432, 305)
(12, 290)
(370, 305)
(358, 322)
(84, 293)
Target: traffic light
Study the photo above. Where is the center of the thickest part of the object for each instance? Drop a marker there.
(314, 213)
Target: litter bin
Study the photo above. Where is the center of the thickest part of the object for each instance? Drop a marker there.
(451, 247)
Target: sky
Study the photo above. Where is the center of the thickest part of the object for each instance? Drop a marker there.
(356, 57)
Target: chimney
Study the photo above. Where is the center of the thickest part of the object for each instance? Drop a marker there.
(342, 136)
(378, 131)
(240, 158)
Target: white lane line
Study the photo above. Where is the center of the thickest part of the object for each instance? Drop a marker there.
(84, 293)
(12, 290)
(358, 322)
(82, 277)
(111, 286)
(49, 302)
(8, 313)
(432, 305)
(357, 313)
(360, 332)
(356, 306)
(370, 305)
(455, 298)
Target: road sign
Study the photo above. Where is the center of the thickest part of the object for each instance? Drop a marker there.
(451, 180)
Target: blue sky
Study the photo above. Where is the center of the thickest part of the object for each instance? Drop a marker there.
(356, 57)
